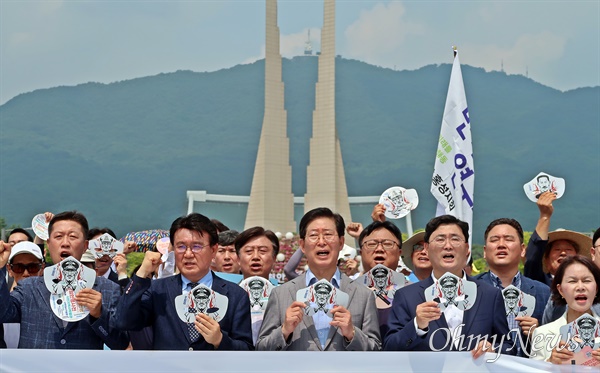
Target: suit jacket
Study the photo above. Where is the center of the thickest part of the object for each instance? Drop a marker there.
(29, 304)
(539, 290)
(149, 302)
(361, 305)
(534, 255)
(485, 318)
(114, 277)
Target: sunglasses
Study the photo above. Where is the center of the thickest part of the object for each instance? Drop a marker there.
(31, 267)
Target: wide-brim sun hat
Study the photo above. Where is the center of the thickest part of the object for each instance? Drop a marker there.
(582, 242)
(407, 248)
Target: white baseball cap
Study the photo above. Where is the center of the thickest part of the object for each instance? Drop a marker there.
(25, 247)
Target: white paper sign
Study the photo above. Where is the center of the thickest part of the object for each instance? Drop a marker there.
(40, 226)
(517, 303)
(384, 282)
(162, 246)
(321, 297)
(64, 280)
(544, 182)
(399, 202)
(450, 289)
(201, 299)
(258, 289)
(584, 331)
(105, 245)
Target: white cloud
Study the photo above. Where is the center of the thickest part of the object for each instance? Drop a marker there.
(379, 32)
(292, 45)
(528, 49)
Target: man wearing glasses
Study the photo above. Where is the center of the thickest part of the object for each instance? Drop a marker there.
(152, 303)
(419, 325)
(285, 325)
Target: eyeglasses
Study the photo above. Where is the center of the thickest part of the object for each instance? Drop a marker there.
(196, 248)
(418, 247)
(31, 267)
(439, 241)
(373, 244)
(313, 237)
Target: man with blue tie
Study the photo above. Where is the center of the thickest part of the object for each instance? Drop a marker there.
(149, 302)
(289, 324)
(419, 325)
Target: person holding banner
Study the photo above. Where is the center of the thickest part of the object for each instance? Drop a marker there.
(419, 325)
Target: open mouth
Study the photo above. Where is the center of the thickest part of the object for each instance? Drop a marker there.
(581, 298)
(65, 254)
(322, 253)
(379, 259)
(256, 267)
(448, 257)
(423, 259)
(501, 254)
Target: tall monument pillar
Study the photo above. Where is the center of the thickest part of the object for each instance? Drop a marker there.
(325, 179)
(271, 200)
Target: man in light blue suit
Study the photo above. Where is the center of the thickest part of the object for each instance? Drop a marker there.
(419, 325)
(503, 251)
(149, 302)
(29, 302)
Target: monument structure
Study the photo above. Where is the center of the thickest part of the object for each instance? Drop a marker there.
(325, 178)
(271, 202)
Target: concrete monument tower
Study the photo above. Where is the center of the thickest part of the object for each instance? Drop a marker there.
(271, 200)
(325, 179)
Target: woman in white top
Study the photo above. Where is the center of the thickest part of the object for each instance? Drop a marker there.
(576, 284)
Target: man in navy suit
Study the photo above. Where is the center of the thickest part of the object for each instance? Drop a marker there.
(503, 251)
(419, 325)
(29, 302)
(149, 302)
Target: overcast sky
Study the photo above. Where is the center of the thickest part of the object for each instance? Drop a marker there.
(49, 43)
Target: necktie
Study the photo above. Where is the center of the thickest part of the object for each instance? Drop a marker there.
(194, 335)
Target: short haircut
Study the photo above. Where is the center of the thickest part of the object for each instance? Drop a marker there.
(255, 232)
(227, 238)
(322, 212)
(560, 274)
(434, 223)
(504, 221)
(542, 176)
(93, 232)
(21, 230)
(220, 226)
(595, 236)
(73, 216)
(391, 227)
(195, 222)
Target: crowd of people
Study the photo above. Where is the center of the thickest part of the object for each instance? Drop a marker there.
(212, 289)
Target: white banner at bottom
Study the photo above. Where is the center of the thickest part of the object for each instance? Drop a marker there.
(264, 361)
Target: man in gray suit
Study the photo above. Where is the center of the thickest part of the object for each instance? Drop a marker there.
(285, 324)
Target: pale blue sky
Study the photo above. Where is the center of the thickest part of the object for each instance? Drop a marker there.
(49, 43)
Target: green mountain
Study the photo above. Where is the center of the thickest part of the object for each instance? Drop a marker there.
(125, 153)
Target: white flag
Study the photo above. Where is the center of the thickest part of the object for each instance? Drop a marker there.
(453, 178)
